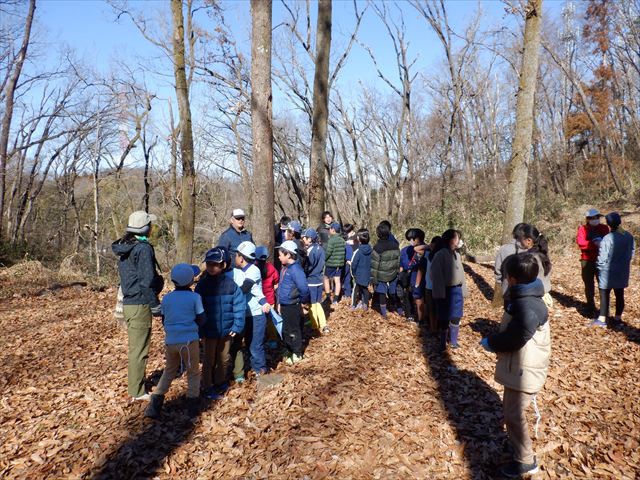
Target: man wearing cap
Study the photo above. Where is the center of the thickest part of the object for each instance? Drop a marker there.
(236, 233)
(589, 236)
(140, 284)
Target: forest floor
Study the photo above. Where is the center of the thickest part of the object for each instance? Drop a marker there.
(370, 400)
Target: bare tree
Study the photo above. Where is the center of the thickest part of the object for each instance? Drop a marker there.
(521, 149)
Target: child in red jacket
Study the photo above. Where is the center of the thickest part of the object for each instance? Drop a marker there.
(270, 280)
(589, 236)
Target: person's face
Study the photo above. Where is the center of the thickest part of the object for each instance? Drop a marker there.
(238, 222)
(413, 242)
(282, 257)
(454, 242)
(327, 219)
(214, 269)
(527, 243)
(238, 260)
(307, 241)
(289, 235)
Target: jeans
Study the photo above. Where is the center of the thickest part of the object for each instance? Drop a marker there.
(255, 328)
(605, 297)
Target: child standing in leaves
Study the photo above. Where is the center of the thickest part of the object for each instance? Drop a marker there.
(523, 345)
(385, 262)
(292, 291)
(315, 267)
(270, 279)
(334, 262)
(224, 308)
(182, 312)
(361, 271)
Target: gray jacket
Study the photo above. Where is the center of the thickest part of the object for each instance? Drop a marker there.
(614, 259)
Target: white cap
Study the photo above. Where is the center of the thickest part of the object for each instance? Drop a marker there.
(289, 246)
(247, 249)
(593, 213)
(237, 212)
(139, 222)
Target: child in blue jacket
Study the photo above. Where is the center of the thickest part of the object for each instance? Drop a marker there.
(292, 291)
(361, 271)
(224, 307)
(314, 271)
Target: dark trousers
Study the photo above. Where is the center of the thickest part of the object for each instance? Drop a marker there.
(589, 273)
(291, 332)
(605, 298)
(360, 292)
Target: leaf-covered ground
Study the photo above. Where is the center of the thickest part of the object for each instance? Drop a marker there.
(370, 400)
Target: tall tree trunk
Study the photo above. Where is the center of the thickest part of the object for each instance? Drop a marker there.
(175, 201)
(521, 149)
(261, 123)
(186, 226)
(8, 107)
(317, 194)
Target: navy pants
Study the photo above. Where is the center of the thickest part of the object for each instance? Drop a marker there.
(255, 328)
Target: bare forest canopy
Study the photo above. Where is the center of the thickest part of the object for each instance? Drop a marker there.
(82, 146)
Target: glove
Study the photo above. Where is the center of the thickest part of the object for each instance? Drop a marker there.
(485, 344)
(156, 311)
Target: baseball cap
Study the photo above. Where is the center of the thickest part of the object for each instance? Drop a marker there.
(214, 255)
(139, 222)
(310, 233)
(335, 226)
(182, 274)
(295, 226)
(592, 213)
(262, 253)
(237, 213)
(613, 219)
(289, 246)
(247, 250)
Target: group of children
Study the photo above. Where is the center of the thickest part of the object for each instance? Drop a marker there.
(240, 297)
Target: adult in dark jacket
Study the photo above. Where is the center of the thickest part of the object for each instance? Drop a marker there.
(236, 233)
(141, 284)
(385, 262)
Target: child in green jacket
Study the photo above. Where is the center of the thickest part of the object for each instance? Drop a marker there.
(334, 262)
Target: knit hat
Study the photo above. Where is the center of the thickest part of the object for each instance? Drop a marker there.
(310, 233)
(613, 219)
(182, 274)
(290, 246)
(247, 250)
(140, 222)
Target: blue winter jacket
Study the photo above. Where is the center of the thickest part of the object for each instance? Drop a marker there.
(315, 264)
(224, 306)
(361, 265)
(614, 259)
(231, 238)
(293, 287)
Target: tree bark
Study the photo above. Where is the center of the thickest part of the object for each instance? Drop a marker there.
(186, 226)
(521, 149)
(8, 107)
(317, 194)
(261, 123)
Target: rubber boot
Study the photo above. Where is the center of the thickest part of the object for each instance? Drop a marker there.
(383, 311)
(155, 406)
(453, 335)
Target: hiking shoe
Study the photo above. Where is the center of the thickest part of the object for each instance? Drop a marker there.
(155, 407)
(517, 469)
(325, 330)
(599, 323)
(145, 397)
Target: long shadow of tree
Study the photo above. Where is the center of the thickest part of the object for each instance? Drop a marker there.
(473, 408)
(481, 283)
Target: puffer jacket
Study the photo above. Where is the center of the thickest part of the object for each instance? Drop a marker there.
(335, 251)
(385, 261)
(138, 275)
(224, 306)
(523, 343)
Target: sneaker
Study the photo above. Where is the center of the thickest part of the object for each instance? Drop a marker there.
(142, 398)
(325, 330)
(410, 319)
(335, 302)
(293, 359)
(599, 323)
(239, 379)
(517, 469)
(221, 389)
(212, 394)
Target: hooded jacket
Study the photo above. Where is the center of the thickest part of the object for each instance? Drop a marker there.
(385, 261)
(361, 265)
(137, 268)
(224, 306)
(335, 251)
(523, 343)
